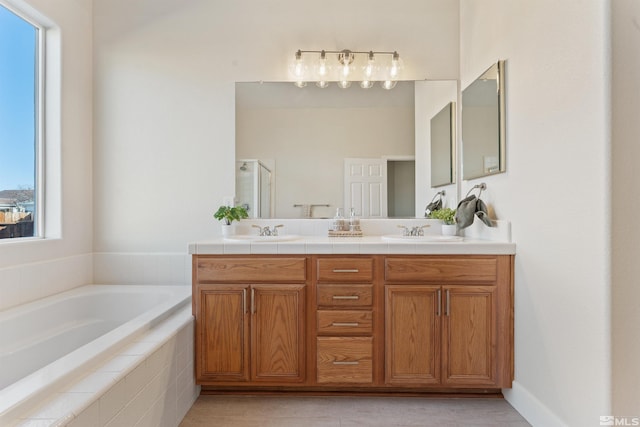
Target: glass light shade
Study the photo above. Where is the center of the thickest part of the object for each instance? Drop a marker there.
(366, 84)
(343, 84)
(388, 84)
(300, 83)
(345, 70)
(297, 67)
(371, 68)
(322, 84)
(396, 67)
(321, 67)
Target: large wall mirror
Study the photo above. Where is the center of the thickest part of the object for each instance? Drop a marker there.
(483, 124)
(302, 140)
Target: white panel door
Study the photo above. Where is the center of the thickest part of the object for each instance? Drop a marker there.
(365, 187)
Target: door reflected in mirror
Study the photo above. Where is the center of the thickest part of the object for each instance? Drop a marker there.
(443, 143)
(483, 124)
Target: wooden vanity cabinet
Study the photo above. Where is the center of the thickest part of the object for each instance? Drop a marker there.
(344, 320)
(448, 321)
(249, 332)
(412, 323)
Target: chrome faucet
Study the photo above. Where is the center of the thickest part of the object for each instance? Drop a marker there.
(266, 231)
(413, 231)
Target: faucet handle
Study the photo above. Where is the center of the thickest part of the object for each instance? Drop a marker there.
(275, 229)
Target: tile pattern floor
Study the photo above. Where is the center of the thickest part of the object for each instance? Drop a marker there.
(276, 411)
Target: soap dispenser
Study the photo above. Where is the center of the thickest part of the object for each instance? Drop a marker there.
(338, 221)
(354, 221)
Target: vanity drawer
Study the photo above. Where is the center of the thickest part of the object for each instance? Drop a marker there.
(345, 322)
(280, 269)
(345, 360)
(345, 270)
(475, 269)
(345, 295)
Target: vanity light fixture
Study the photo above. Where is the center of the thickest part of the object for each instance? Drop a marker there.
(344, 67)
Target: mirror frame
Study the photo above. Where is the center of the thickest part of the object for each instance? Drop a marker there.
(502, 133)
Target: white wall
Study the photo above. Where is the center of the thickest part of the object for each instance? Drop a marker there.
(165, 72)
(555, 192)
(35, 268)
(626, 200)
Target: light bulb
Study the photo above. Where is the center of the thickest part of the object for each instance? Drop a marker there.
(369, 69)
(388, 84)
(343, 84)
(396, 66)
(322, 84)
(346, 69)
(298, 68)
(345, 58)
(322, 68)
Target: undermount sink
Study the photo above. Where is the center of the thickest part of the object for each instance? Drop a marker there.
(254, 238)
(427, 238)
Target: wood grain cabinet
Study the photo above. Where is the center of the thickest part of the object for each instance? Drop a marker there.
(382, 323)
(344, 315)
(448, 322)
(249, 332)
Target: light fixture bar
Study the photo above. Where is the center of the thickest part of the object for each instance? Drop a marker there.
(346, 66)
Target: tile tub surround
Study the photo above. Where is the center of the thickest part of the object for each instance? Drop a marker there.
(85, 326)
(148, 382)
(478, 239)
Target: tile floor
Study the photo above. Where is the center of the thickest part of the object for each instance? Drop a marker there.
(276, 411)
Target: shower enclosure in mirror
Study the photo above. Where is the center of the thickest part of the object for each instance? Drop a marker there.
(254, 187)
(483, 124)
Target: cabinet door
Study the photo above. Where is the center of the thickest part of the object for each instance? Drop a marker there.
(277, 332)
(222, 333)
(469, 335)
(412, 334)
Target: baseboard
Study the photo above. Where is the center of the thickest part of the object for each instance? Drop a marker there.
(534, 411)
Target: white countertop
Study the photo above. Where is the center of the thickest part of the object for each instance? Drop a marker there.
(352, 245)
(311, 238)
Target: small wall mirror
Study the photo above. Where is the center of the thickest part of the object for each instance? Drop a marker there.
(483, 124)
(443, 137)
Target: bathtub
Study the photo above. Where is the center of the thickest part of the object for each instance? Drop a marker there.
(48, 344)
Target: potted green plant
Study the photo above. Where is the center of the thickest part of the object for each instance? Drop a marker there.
(448, 218)
(228, 214)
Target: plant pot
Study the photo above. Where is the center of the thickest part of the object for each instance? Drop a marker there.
(227, 229)
(449, 229)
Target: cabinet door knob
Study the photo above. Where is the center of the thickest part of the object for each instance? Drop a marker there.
(345, 297)
(354, 324)
(346, 270)
(439, 303)
(355, 362)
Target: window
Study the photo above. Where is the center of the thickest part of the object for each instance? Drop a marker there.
(20, 124)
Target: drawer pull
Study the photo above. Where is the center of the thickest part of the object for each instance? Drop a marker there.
(355, 362)
(354, 324)
(346, 270)
(345, 297)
